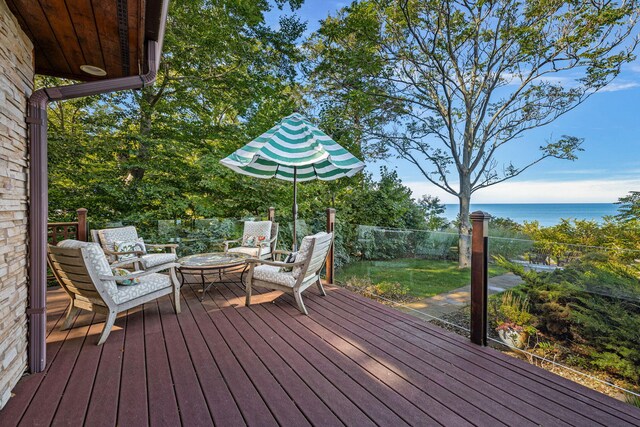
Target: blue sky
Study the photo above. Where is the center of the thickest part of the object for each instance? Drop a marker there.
(607, 169)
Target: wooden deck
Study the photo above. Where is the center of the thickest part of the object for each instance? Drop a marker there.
(351, 361)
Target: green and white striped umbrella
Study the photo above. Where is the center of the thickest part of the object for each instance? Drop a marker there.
(294, 150)
(294, 145)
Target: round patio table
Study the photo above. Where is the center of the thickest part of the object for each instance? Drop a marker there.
(211, 263)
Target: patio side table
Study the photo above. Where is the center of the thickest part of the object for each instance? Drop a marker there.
(212, 263)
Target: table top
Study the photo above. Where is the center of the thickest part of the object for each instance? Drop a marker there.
(212, 260)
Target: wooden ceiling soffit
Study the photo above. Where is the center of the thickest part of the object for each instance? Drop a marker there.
(108, 34)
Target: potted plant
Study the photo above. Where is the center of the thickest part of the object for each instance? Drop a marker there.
(514, 335)
(514, 321)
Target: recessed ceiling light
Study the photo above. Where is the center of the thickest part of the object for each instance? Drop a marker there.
(93, 70)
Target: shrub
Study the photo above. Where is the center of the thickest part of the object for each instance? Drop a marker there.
(512, 309)
(592, 307)
(389, 290)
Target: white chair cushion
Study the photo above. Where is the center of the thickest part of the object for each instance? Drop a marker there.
(97, 259)
(272, 274)
(250, 251)
(305, 251)
(148, 284)
(109, 236)
(152, 260)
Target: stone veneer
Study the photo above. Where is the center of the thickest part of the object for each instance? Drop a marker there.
(16, 84)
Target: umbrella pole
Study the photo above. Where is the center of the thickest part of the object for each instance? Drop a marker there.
(295, 207)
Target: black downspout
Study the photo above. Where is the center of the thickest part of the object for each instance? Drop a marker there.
(38, 190)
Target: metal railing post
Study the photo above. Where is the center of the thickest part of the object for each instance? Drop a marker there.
(479, 277)
(330, 264)
(271, 214)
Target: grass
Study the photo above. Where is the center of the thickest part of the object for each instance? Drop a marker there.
(424, 277)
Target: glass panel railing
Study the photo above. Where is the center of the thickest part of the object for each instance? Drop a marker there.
(571, 308)
(305, 226)
(192, 235)
(414, 270)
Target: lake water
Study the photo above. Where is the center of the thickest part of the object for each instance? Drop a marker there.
(545, 213)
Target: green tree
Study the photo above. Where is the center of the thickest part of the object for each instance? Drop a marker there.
(629, 208)
(455, 81)
(225, 77)
(386, 203)
(433, 212)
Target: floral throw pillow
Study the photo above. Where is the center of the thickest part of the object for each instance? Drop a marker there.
(250, 240)
(124, 282)
(129, 246)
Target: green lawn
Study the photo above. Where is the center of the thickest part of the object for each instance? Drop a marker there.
(424, 277)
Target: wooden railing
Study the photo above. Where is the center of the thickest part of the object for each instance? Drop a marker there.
(330, 264)
(479, 277)
(58, 231)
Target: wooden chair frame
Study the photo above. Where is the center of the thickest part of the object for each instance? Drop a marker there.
(86, 289)
(137, 261)
(304, 279)
(272, 243)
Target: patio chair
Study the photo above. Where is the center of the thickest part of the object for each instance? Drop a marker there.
(292, 277)
(83, 271)
(259, 240)
(112, 238)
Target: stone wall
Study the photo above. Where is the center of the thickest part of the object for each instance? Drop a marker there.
(16, 84)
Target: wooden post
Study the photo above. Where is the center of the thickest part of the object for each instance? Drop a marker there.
(82, 225)
(271, 214)
(479, 281)
(330, 264)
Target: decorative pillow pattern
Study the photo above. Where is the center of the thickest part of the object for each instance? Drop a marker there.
(256, 233)
(124, 282)
(129, 246)
(250, 241)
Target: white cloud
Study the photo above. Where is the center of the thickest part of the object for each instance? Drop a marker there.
(618, 86)
(576, 172)
(540, 191)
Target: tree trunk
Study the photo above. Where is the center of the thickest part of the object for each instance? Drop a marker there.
(464, 229)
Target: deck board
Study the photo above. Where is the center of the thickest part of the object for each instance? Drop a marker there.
(162, 402)
(220, 401)
(552, 384)
(191, 401)
(278, 365)
(101, 410)
(352, 361)
(43, 407)
(27, 387)
(509, 380)
(133, 410)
